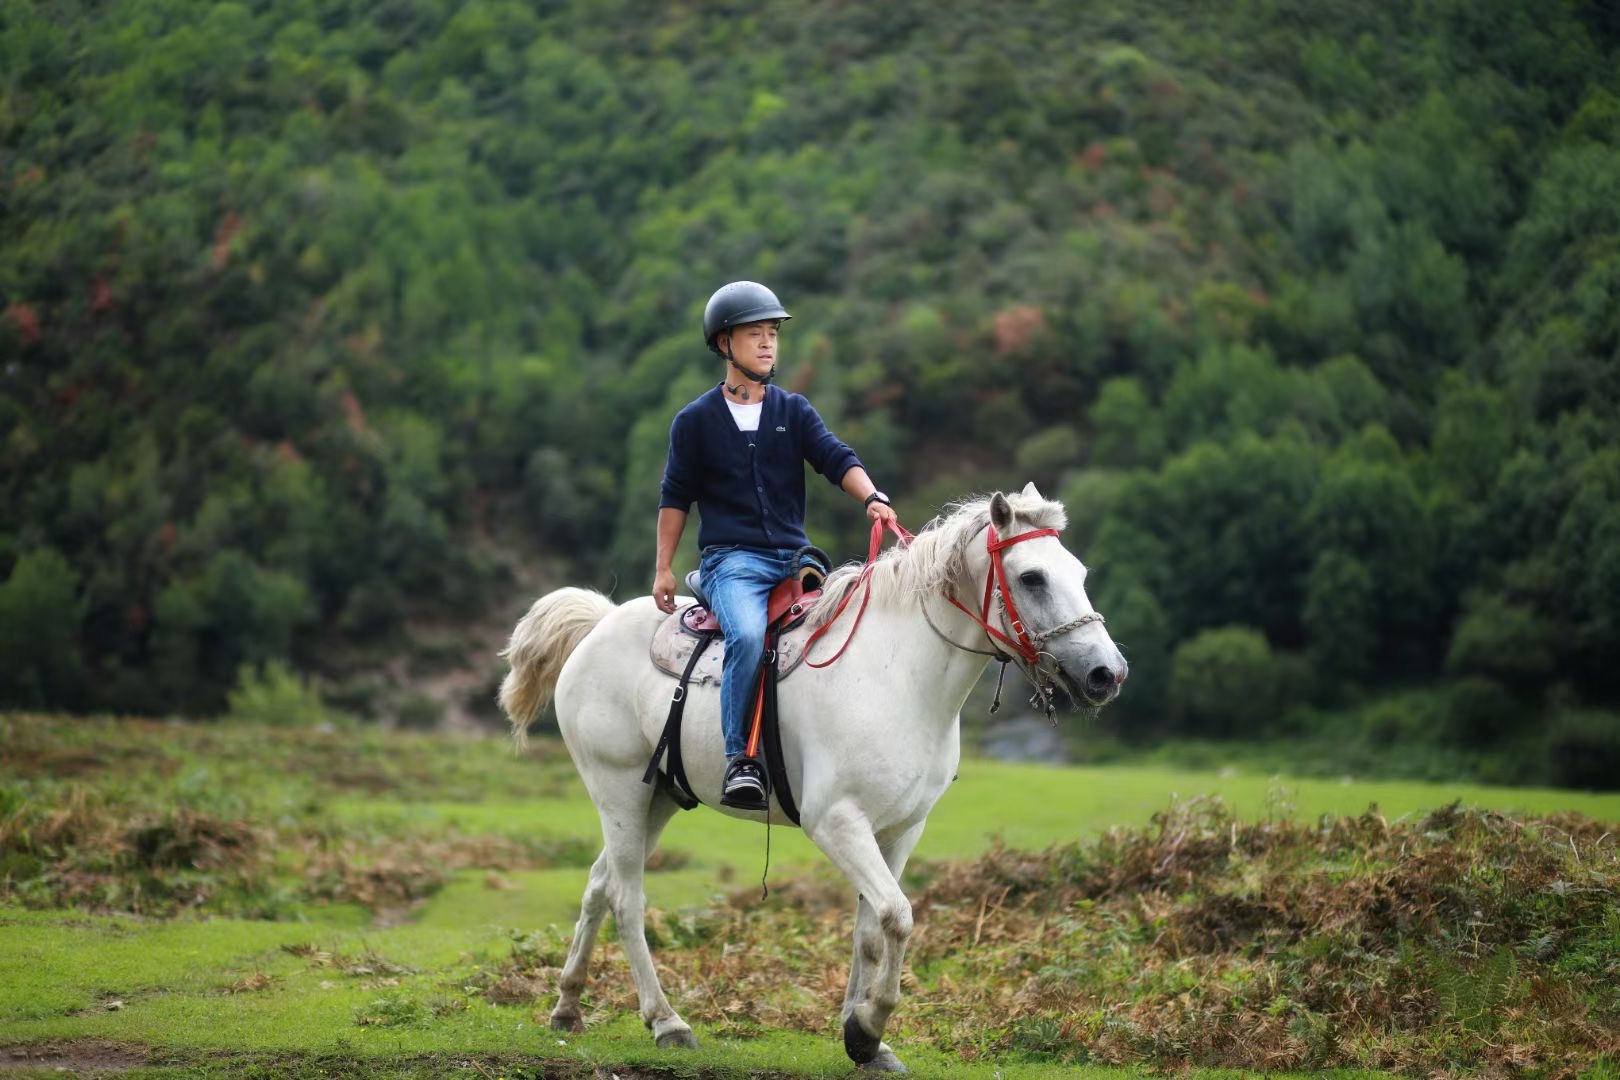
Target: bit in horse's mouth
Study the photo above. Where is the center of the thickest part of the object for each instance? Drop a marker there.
(1070, 687)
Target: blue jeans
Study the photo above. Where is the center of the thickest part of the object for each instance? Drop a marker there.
(738, 581)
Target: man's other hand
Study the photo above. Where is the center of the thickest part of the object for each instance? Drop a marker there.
(664, 591)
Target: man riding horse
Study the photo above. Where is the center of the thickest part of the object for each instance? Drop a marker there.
(868, 745)
(738, 451)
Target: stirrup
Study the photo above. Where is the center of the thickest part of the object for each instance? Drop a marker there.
(750, 798)
(744, 802)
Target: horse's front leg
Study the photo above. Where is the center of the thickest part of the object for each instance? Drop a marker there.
(882, 930)
(868, 955)
(868, 952)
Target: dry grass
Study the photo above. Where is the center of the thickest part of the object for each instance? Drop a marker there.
(156, 818)
(102, 854)
(1464, 942)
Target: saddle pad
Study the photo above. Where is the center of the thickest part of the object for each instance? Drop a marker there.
(673, 643)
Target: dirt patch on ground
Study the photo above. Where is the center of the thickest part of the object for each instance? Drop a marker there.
(75, 1056)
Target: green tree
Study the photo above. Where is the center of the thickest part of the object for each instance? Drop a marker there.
(314, 318)
(39, 616)
(1231, 521)
(1224, 681)
(1498, 638)
(1128, 430)
(1472, 436)
(1373, 509)
(1341, 617)
(1141, 629)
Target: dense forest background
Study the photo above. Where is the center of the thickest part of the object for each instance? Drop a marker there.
(328, 322)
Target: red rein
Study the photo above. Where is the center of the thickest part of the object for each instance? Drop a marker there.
(997, 577)
(903, 537)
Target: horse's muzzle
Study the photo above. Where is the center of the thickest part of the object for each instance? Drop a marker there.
(1100, 685)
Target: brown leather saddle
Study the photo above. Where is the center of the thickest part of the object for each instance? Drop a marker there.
(694, 627)
(690, 641)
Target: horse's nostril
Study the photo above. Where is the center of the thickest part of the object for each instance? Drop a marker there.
(1100, 678)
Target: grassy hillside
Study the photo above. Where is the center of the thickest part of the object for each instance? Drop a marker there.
(344, 901)
(323, 321)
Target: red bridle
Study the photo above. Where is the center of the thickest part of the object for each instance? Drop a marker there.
(1020, 643)
(997, 578)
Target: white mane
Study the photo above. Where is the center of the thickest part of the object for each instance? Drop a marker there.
(937, 558)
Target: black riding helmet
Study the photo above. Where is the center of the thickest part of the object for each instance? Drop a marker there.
(737, 304)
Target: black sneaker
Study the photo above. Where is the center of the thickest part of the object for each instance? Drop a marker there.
(744, 785)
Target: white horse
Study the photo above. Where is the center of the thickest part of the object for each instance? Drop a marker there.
(871, 742)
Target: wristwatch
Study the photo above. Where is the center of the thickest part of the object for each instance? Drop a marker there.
(876, 496)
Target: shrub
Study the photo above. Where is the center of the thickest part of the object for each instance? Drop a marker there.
(1583, 749)
(1128, 431)
(1501, 638)
(1090, 495)
(358, 695)
(1226, 680)
(418, 712)
(1411, 717)
(1048, 450)
(277, 696)
(39, 618)
(1480, 711)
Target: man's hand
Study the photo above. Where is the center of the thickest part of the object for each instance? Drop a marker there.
(664, 591)
(671, 522)
(878, 510)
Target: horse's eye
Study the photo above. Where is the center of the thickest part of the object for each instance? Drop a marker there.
(1033, 578)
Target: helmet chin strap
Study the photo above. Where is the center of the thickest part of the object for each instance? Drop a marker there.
(741, 389)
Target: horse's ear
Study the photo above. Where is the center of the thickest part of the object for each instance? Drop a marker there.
(1000, 512)
(1029, 489)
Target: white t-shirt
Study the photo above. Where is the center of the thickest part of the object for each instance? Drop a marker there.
(747, 416)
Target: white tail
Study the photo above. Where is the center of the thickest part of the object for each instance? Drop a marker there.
(541, 642)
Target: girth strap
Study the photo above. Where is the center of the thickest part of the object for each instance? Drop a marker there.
(670, 740)
(769, 736)
(776, 777)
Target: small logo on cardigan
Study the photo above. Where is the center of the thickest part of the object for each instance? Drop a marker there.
(779, 428)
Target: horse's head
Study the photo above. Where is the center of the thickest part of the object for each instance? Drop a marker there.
(1047, 613)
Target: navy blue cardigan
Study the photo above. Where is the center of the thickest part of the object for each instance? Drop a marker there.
(749, 485)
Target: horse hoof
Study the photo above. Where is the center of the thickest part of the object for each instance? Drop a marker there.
(679, 1039)
(885, 1062)
(861, 1047)
(567, 1021)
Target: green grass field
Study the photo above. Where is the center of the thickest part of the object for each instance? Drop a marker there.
(328, 985)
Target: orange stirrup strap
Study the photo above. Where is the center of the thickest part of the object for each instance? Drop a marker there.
(759, 716)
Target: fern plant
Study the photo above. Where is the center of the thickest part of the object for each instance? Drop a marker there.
(1472, 997)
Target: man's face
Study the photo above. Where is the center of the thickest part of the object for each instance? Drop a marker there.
(753, 346)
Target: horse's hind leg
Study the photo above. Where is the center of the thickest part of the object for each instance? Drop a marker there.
(599, 897)
(592, 909)
(633, 816)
